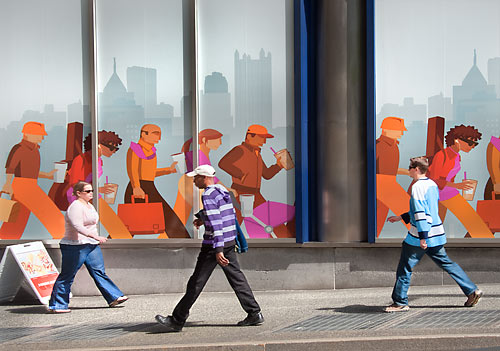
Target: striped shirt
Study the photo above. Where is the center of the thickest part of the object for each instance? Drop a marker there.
(424, 215)
(218, 217)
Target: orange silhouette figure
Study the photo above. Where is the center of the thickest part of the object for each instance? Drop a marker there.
(22, 172)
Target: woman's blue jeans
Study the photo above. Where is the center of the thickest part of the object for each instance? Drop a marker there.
(73, 257)
(411, 255)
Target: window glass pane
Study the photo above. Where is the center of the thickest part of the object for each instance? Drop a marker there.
(44, 101)
(437, 68)
(141, 65)
(245, 78)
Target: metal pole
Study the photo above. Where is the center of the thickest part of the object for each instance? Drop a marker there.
(93, 96)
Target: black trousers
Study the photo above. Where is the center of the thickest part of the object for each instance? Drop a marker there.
(204, 267)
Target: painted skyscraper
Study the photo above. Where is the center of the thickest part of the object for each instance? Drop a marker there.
(142, 82)
(215, 101)
(494, 73)
(117, 108)
(474, 100)
(253, 89)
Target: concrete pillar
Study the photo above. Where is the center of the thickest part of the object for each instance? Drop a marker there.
(341, 106)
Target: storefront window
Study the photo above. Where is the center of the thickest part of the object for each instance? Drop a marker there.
(146, 113)
(44, 102)
(141, 117)
(245, 82)
(438, 81)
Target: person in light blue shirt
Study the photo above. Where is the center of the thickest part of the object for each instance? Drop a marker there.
(426, 236)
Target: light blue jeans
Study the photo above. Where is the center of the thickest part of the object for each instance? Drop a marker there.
(73, 257)
(411, 255)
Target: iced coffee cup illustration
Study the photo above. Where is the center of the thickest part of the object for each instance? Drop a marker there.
(285, 159)
(246, 201)
(60, 173)
(110, 197)
(181, 162)
(468, 194)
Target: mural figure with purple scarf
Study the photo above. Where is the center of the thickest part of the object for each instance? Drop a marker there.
(81, 170)
(142, 171)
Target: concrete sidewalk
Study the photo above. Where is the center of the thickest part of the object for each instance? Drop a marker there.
(348, 319)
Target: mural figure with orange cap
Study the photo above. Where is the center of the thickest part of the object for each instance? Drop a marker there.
(208, 140)
(142, 171)
(443, 169)
(390, 195)
(245, 165)
(22, 172)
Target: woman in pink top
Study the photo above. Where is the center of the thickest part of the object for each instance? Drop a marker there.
(79, 246)
(208, 139)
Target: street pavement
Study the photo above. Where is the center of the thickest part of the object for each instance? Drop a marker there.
(347, 319)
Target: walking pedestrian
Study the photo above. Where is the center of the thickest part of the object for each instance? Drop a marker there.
(426, 236)
(79, 246)
(218, 247)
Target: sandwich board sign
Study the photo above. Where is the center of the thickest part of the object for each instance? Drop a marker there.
(28, 261)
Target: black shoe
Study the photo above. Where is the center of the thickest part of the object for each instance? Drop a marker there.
(255, 319)
(169, 323)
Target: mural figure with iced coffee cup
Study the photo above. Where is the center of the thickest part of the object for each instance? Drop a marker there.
(22, 172)
(445, 167)
(245, 165)
(142, 171)
(81, 170)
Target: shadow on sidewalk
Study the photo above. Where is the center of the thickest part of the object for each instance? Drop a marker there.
(414, 296)
(354, 309)
(364, 309)
(28, 310)
(159, 329)
(40, 309)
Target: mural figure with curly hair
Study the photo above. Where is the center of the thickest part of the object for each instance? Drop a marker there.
(81, 170)
(443, 169)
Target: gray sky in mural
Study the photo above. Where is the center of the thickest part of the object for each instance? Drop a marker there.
(145, 34)
(226, 26)
(41, 48)
(151, 34)
(424, 48)
(41, 59)
(443, 36)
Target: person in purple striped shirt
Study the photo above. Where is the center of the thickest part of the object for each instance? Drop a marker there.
(218, 247)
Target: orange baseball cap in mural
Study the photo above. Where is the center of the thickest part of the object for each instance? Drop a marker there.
(393, 123)
(259, 130)
(34, 128)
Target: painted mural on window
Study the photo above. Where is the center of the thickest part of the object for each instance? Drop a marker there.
(246, 95)
(438, 95)
(43, 114)
(145, 117)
